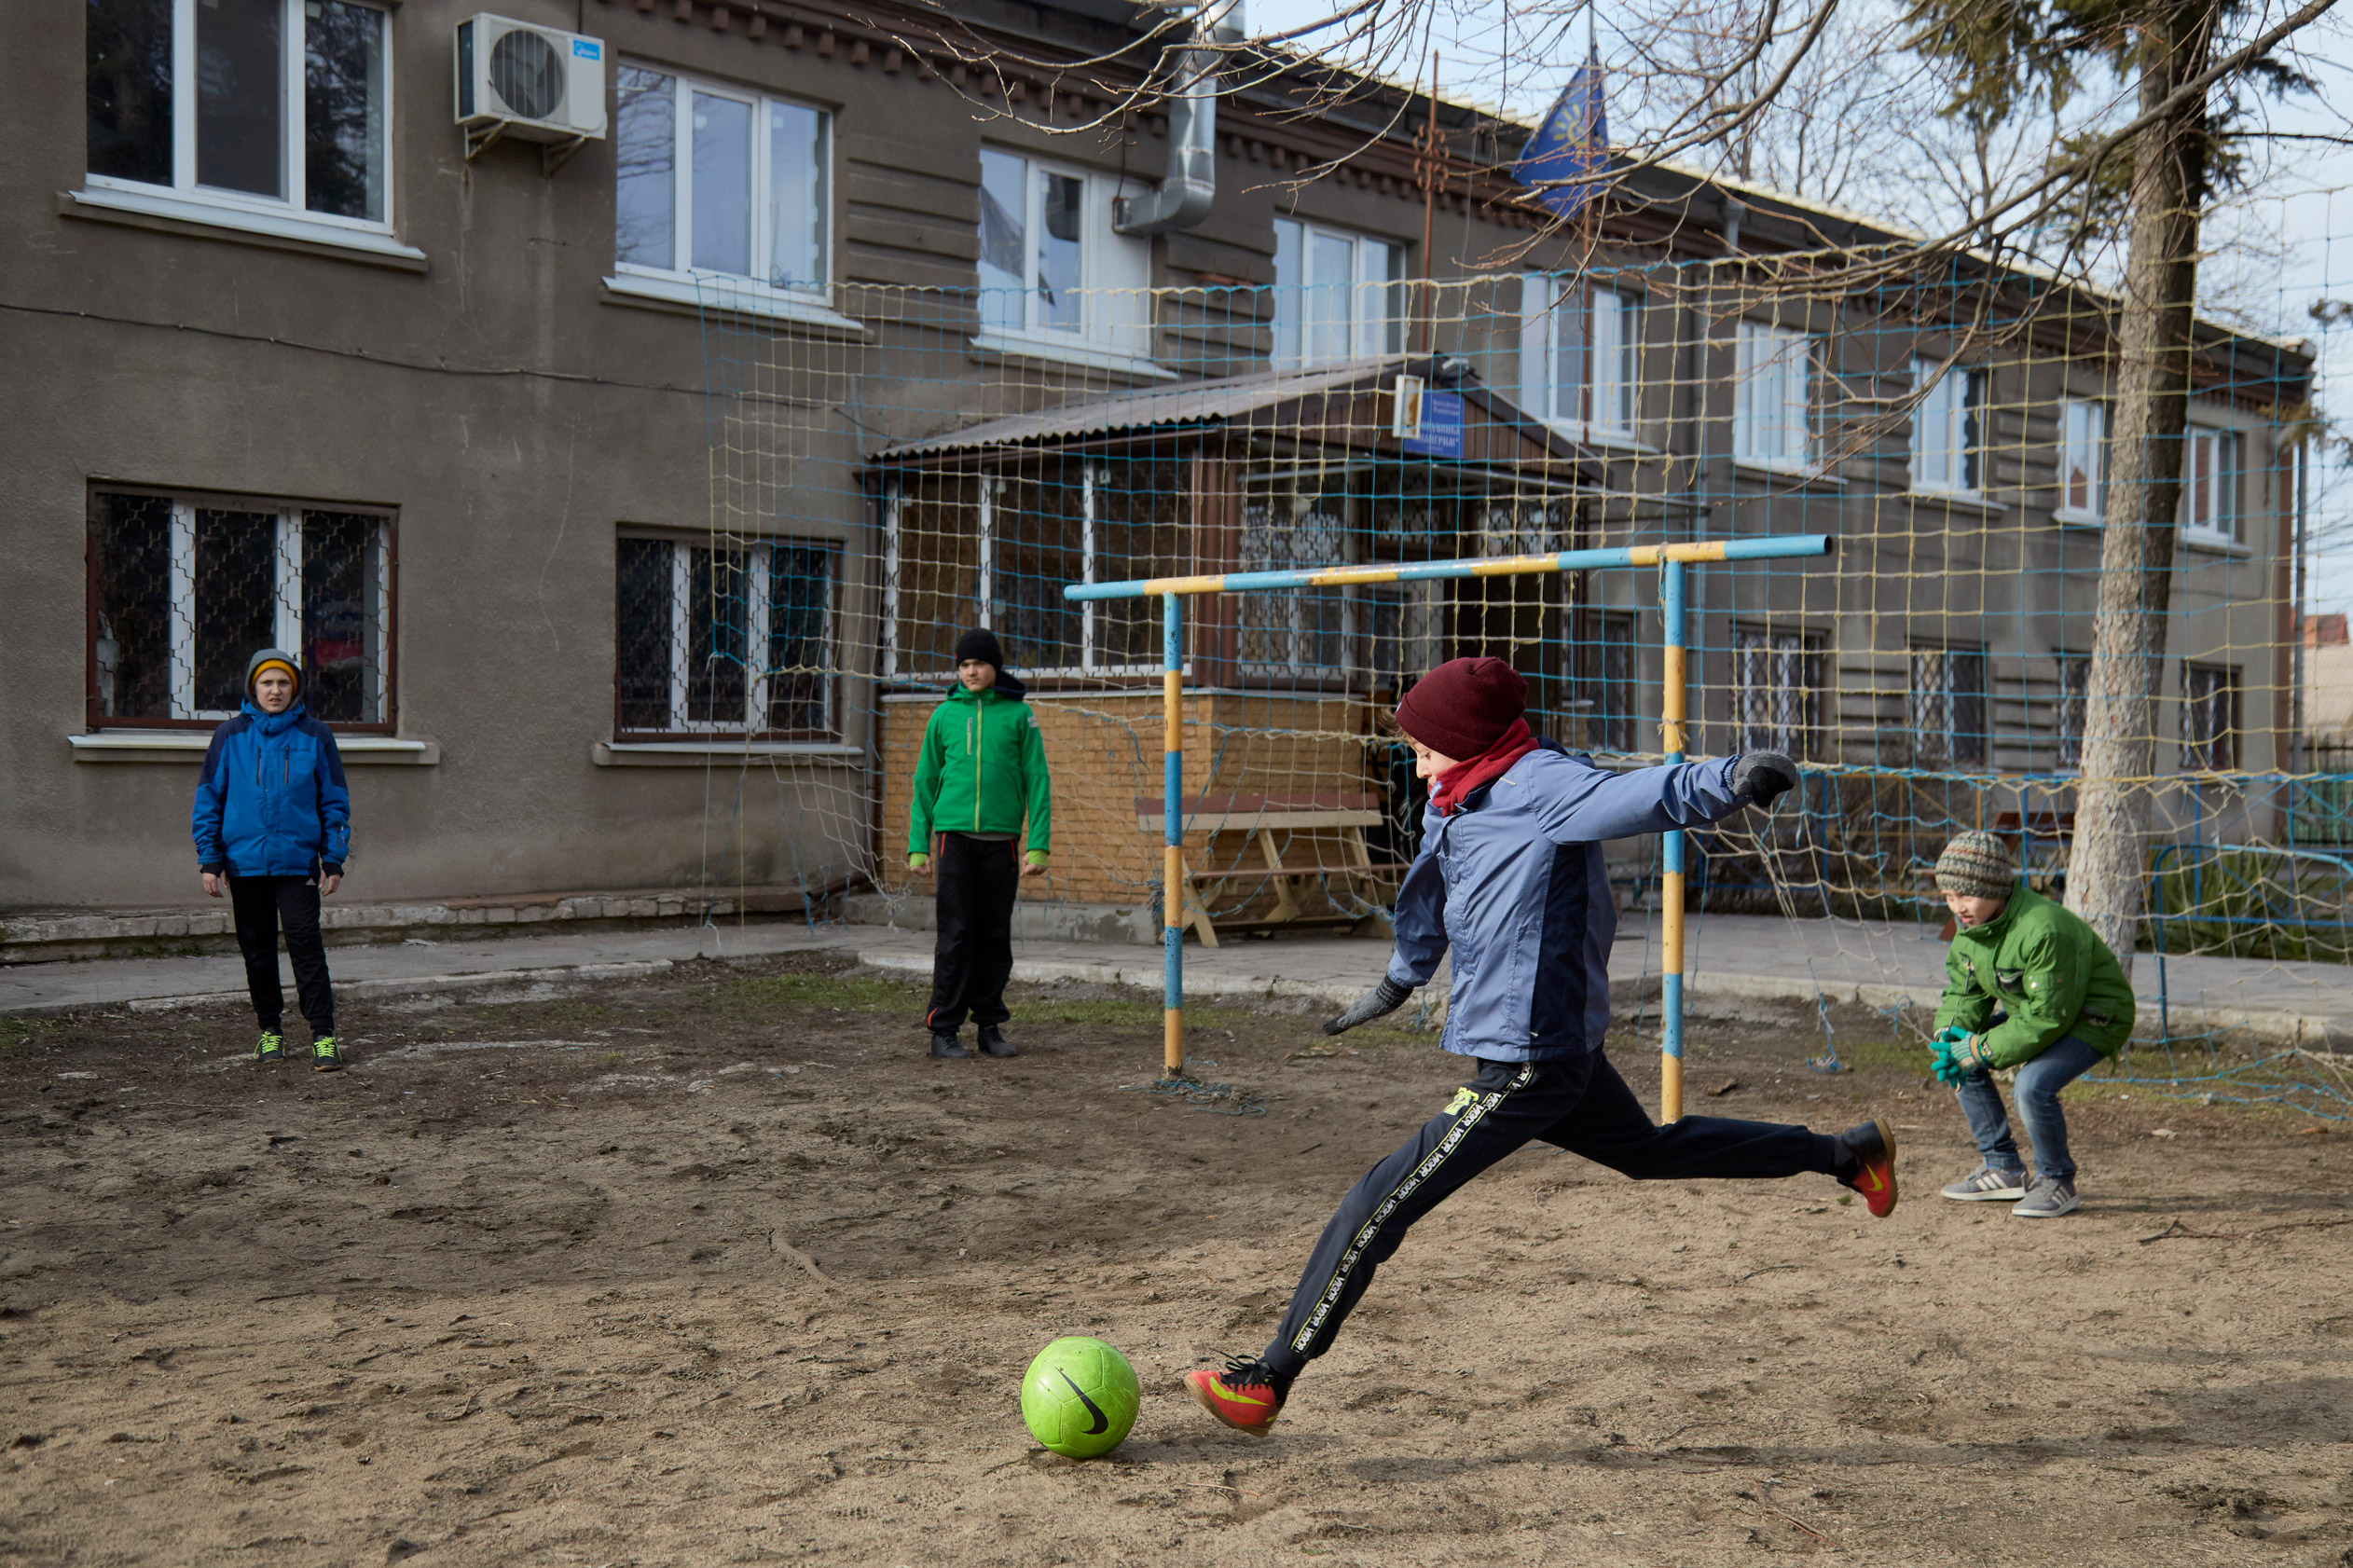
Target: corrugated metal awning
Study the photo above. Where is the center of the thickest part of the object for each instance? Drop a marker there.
(1197, 405)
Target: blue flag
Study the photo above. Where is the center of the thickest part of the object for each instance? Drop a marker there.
(1571, 143)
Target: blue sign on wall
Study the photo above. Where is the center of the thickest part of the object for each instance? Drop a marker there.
(1439, 434)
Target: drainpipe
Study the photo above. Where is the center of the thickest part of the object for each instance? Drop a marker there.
(1183, 197)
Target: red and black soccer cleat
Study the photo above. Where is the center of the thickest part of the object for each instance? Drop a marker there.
(1246, 1395)
(1873, 1144)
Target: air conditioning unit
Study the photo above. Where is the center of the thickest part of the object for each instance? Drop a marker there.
(538, 83)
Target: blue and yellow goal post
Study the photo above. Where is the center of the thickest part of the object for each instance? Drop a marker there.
(1670, 560)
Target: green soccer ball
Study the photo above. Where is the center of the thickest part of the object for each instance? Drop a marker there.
(1079, 1396)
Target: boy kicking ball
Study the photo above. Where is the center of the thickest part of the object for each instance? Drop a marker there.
(1511, 876)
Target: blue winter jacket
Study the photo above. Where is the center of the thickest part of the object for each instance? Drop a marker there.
(1515, 882)
(271, 800)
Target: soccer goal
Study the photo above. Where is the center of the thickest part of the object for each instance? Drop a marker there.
(1178, 814)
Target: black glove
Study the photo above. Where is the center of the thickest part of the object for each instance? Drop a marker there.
(1761, 777)
(1379, 1002)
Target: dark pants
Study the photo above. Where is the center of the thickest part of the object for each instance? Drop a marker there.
(1579, 1103)
(262, 904)
(2038, 1086)
(979, 879)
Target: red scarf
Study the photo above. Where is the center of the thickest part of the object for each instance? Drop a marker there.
(1448, 790)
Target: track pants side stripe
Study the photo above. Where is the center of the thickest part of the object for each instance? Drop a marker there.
(1464, 1123)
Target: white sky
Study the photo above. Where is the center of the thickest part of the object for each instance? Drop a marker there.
(2304, 200)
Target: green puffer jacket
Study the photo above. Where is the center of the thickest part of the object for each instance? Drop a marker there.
(2041, 964)
(983, 770)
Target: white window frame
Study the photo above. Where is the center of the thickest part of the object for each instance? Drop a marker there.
(1931, 711)
(2214, 473)
(1115, 282)
(689, 284)
(1767, 358)
(285, 556)
(1790, 662)
(2082, 444)
(2225, 686)
(1285, 610)
(1373, 312)
(2070, 706)
(1948, 437)
(287, 218)
(1094, 478)
(757, 611)
(1563, 315)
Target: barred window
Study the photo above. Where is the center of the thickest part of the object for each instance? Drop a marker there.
(184, 587)
(1606, 657)
(732, 637)
(1294, 633)
(2074, 686)
(2211, 713)
(1945, 707)
(996, 550)
(1777, 690)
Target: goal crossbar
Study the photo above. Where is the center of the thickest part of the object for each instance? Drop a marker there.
(1670, 559)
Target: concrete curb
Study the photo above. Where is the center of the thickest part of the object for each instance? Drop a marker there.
(1143, 977)
(553, 975)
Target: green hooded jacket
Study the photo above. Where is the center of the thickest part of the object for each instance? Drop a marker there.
(983, 770)
(2041, 964)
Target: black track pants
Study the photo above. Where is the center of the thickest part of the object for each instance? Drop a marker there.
(1582, 1106)
(979, 879)
(262, 904)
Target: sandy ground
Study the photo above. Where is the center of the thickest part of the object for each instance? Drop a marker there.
(719, 1269)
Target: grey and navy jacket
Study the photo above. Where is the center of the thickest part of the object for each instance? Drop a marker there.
(1515, 882)
(272, 801)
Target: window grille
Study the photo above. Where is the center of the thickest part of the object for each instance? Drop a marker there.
(739, 638)
(184, 587)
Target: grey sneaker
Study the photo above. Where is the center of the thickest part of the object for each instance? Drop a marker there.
(2047, 1199)
(1988, 1185)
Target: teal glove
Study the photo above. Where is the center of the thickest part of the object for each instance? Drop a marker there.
(1941, 1058)
(1941, 1050)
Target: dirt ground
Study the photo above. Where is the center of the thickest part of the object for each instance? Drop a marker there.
(718, 1267)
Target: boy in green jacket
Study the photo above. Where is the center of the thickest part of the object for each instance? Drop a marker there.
(2028, 985)
(983, 770)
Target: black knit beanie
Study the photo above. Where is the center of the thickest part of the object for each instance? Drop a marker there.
(981, 643)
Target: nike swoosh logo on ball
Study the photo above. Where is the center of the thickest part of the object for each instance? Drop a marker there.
(1102, 1421)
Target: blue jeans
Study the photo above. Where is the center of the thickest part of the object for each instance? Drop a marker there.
(2038, 1089)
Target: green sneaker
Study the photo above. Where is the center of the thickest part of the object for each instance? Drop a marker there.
(326, 1056)
(270, 1048)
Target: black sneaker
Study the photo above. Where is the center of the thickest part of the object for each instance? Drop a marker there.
(326, 1055)
(270, 1048)
(945, 1043)
(994, 1042)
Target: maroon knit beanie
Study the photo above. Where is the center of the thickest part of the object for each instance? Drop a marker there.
(1463, 707)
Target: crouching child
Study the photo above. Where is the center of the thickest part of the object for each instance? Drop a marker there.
(2028, 985)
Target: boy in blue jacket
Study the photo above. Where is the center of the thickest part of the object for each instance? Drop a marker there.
(1512, 877)
(273, 822)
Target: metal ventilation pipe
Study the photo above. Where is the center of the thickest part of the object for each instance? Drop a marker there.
(1183, 197)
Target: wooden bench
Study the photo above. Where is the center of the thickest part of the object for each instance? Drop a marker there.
(1264, 816)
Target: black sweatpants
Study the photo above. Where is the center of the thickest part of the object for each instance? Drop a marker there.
(262, 904)
(979, 879)
(1579, 1103)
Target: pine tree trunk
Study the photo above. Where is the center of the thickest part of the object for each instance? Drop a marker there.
(2107, 869)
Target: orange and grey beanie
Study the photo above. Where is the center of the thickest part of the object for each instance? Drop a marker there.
(272, 658)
